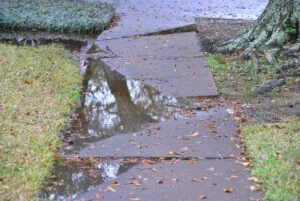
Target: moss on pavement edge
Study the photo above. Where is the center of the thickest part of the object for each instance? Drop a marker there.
(39, 86)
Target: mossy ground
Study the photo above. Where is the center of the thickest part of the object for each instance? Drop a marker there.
(55, 15)
(273, 148)
(39, 86)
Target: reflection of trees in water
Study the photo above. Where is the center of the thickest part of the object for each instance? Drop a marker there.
(113, 105)
(72, 180)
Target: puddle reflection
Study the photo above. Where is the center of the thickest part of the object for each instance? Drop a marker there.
(112, 104)
(72, 179)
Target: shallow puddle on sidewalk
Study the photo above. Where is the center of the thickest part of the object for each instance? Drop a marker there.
(73, 177)
(110, 105)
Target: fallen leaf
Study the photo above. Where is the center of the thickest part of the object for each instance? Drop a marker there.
(161, 181)
(234, 176)
(228, 190)
(253, 179)
(199, 179)
(202, 197)
(99, 196)
(115, 183)
(210, 169)
(211, 126)
(28, 81)
(230, 111)
(154, 170)
(246, 163)
(193, 134)
(173, 153)
(182, 138)
(174, 179)
(253, 188)
(111, 189)
(136, 183)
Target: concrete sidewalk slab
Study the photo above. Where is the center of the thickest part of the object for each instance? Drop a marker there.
(172, 63)
(160, 46)
(178, 78)
(179, 181)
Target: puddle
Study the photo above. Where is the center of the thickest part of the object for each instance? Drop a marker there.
(71, 177)
(112, 104)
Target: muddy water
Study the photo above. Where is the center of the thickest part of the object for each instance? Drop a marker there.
(110, 104)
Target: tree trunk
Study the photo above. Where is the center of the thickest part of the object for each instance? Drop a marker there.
(278, 24)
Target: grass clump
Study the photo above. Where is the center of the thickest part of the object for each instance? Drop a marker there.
(55, 15)
(38, 88)
(274, 149)
(237, 78)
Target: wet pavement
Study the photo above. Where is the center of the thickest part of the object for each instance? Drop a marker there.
(172, 63)
(135, 135)
(178, 180)
(154, 15)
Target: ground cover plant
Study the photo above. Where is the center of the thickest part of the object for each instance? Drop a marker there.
(274, 149)
(55, 15)
(39, 86)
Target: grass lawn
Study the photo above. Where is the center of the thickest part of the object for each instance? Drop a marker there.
(55, 15)
(39, 86)
(274, 149)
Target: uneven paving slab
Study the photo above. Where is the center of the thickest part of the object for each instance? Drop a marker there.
(179, 181)
(178, 78)
(206, 135)
(156, 15)
(160, 46)
(172, 63)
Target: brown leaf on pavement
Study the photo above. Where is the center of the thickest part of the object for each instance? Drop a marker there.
(199, 179)
(193, 134)
(115, 183)
(254, 179)
(173, 153)
(202, 197)
(228, 190)
(211, 126)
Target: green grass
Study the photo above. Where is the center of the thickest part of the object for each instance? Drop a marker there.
(55, 15)
(237, 79)
(38, 88)
(273, 148)
(275, 152)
